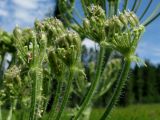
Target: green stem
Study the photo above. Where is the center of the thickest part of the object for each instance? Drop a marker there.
(56, 101)
(36, 76)
(33, 99)
(0, 113)
(150, 21)
(84, 7)
(125, 5)
(66, 94)
(46, 92)
(134, 5)
(116, 7)
(9, 117)
(111, 8)
(91, 91)
(145, 10)
(138, 5)
(12, 108)
(118, 89)
(153, 16)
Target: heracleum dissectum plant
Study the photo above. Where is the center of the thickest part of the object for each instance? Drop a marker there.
(49, 54)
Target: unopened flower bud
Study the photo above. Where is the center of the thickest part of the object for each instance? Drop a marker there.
(56, 64)
(86, 24)
(123, 19)
(117, 21)
(17, 32)
(130, 19)
(134, 17)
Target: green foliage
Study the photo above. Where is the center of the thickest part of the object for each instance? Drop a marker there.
(46, 60)
(132, 112)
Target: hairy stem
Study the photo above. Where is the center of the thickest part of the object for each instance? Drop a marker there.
(125, 5)
(9, 117)
(146, 9)
(36, 92)
(111, 11)
(91, 91)
(120, 83)
(0, 113)
(56, 101)
(66, 94)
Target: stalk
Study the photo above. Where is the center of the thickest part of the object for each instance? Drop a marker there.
(10, 114)
(134, 5)
(66, 96)
(125, 5)
(56, 101)
(111, 8)
(9, 117)
(145, 10)
(36, 92)
(33, 111)
(138, 5)
(91, 91)
(36, 76)
(0, 113)
(118, 89)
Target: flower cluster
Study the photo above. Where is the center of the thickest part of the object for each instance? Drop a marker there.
(121, 32)
(65, 52)
(63, 45)
(12, 84)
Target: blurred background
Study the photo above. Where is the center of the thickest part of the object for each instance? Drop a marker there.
(144, 83)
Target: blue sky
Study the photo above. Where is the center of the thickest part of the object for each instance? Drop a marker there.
(24, 12)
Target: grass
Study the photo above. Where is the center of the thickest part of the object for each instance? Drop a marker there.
(133, 112)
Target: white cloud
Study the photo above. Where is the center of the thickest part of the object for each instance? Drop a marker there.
(89, 43)
(27, 4)
(24, 16)
(3, 13)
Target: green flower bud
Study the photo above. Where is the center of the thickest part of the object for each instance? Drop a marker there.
(141, 28)
(56, 64)
(135, 18)
(86, 24)
(58, 23)
(17, 32)
(130, 19)
(117, 21)
(68, 47)
(75, 27)
(96, 11)
(38, 25)
(123, 19)
(42, 41)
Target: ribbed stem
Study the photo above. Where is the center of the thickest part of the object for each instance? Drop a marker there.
(33, 111)
(150, 21)
(134, 5)
(56, 101)
(153, 16)
(0, 113)
(84, 7)
(138, 5)
(9, 117)
(125, 5)
(91, 91)
(36, 77)
(66, 94)
(111, 11)
(118, 89)
(116, 7)
(145, 10)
